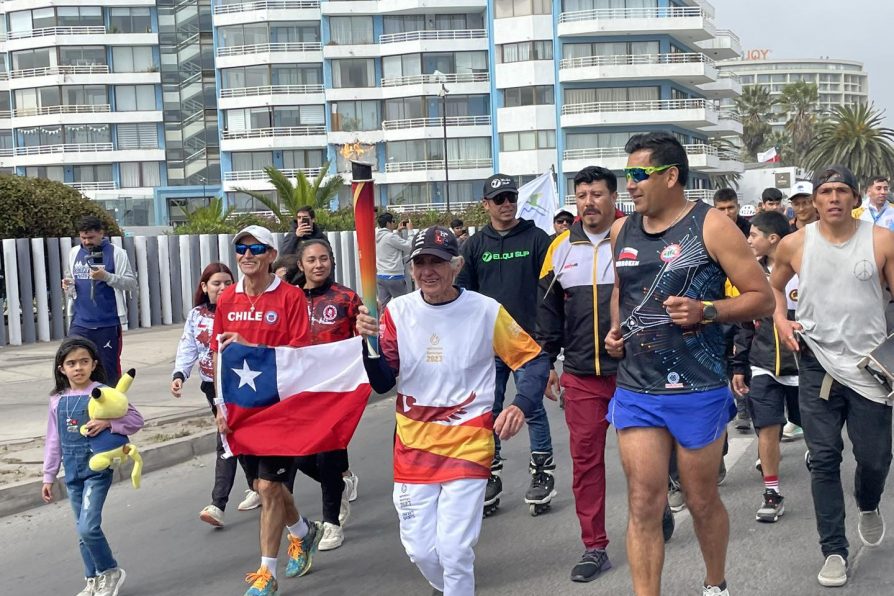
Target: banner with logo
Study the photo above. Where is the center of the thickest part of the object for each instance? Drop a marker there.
(538, 201)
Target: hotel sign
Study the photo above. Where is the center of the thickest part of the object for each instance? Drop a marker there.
(758, 54)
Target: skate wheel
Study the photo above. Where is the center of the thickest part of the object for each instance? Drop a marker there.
(533, 510)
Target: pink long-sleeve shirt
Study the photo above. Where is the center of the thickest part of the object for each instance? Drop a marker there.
(131, 422)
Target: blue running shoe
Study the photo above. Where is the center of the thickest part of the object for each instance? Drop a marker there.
(262, 583)
(301, 550)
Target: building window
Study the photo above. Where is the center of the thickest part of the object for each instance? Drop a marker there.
(298, 32)
(297, 75)
(353, 73)
(350, 30)
(524, 51)
(349, 116)
(140, 174)
(622, 48)
(82, 56)
(56, 173)
(431, 192)
(612, 94)
(88, 133)
(85, 95)
(138, 136)
(572, 5)
(537, 95)
(129, 20)
(528, 140)
(134, 98)
(473, 148)
(521, 8)
(93, 173)
(433, 22)
(294, 159)
(251, 160)
(133, 59)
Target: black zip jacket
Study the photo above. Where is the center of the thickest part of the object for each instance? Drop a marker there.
(290, 242)
(507, 268)
(757, 343)
(575, 293)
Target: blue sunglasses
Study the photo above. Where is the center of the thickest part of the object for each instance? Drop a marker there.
(256, 249)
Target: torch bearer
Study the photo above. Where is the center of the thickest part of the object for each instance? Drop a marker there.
(364, 222)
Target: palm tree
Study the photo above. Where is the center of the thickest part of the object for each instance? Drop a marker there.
(207, 219)
(290, 198)
(754, 108)
(800, 102)
(856, 138)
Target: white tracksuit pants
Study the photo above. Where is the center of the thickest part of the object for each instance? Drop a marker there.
(439, 527)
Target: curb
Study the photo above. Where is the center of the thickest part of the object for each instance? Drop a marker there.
(24, 495)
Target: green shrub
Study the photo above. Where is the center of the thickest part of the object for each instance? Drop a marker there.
(38, 208)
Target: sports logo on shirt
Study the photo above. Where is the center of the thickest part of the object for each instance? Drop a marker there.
(628, 257)
(671, 252)
(271, 317)
(793, 295)
(673, 381)
(330, 312)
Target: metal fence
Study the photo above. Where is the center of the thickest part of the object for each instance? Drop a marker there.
(168, 269)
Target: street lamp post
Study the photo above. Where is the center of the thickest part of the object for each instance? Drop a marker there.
(442, 93)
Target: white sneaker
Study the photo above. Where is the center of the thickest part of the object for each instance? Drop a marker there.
(714, 591)
(792, 432)
(251, 501)
(333, 536)
(212, 515)
(834, 572)
(89, 589)
(108, 583)
(351, 483)
(344, 510)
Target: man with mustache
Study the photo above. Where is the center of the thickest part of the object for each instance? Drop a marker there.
(574, 313)
(503, 261)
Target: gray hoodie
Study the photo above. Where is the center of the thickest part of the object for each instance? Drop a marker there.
(391, 250)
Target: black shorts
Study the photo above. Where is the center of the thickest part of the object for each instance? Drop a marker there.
(275, 468)
(766, 401)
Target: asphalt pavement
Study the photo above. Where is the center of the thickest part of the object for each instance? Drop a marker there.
(166, 550)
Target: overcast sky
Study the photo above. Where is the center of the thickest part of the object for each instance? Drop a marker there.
(845, 29)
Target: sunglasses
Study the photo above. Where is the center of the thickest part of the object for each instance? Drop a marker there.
(566, 222)
(502, 198)
(256, 249)
(640, 174)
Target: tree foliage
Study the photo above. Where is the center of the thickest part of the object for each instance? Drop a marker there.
(38, 208)
(754, 108)
(800, 100)
(214, 219)
(291, 197)
(856, 138)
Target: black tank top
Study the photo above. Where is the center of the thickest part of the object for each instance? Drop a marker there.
(660, 357)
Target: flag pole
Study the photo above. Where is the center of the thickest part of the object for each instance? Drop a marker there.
(364, 223)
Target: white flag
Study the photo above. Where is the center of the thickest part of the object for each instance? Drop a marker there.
(539, 201)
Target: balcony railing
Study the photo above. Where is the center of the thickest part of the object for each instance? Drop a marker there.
(231, 7)
(276, 131)
(271, 90)
(728, 33)
(635, 59)
(67, 148)
(448, 34)
(72, 109)
(263, 48)
(7, 152)
(417, 207)
(48, 31)
(672, 12)
(463, 77)
(435, 122)
(243, 175)
(438, 165)
(5, 114)
(4, 76)
(615, 152)
(59, 70)
(635, 106)
(82, 186)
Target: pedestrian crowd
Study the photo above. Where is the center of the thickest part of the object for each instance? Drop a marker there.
(668, 324)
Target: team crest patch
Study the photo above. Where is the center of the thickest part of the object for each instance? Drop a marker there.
(329, 313)
(793, 295)
(671, 253)
(271, 317)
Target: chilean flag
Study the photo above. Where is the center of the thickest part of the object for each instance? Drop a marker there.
(292, 401)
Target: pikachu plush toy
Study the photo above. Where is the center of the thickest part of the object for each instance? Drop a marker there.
(109, 403)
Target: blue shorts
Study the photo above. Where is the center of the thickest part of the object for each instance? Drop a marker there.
(695, 420)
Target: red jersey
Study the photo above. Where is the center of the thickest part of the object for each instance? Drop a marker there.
(278, 317)
(333, 310)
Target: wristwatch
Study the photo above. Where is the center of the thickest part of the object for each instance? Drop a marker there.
(709, 313)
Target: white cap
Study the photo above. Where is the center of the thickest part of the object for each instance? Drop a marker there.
(262, 234)
(801, 187)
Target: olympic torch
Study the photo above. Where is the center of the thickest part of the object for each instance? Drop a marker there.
(364, 222)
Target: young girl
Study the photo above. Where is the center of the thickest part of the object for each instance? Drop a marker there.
(77, 371)
(332, 310)
(195, 347)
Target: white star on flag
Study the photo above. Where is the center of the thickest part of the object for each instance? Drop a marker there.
(247, 376)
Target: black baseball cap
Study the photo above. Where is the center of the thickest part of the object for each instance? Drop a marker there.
(837, 173)
(498, 184)
(436, 241)
(561, 213)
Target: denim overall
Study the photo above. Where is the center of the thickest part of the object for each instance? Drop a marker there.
(87, 489)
